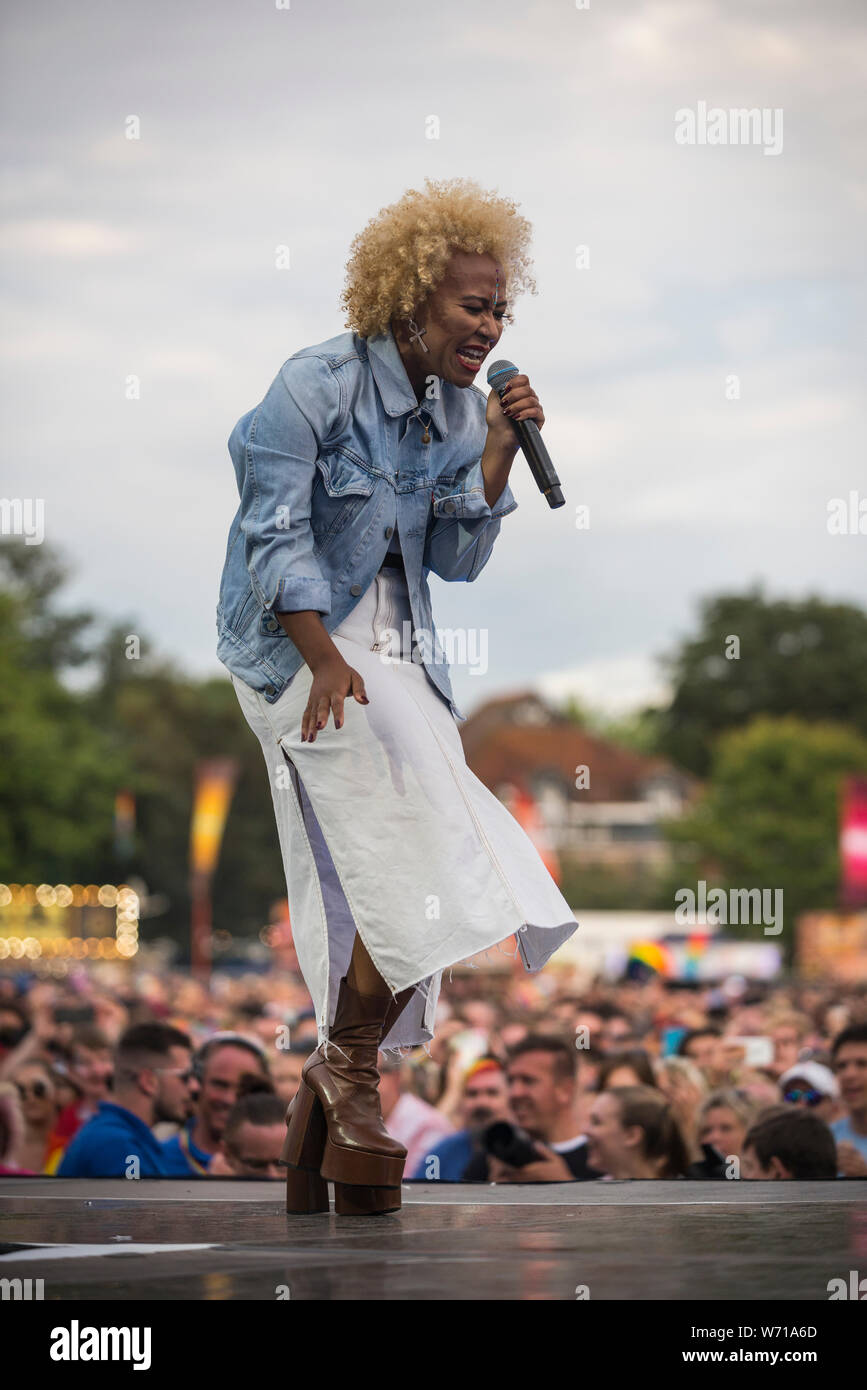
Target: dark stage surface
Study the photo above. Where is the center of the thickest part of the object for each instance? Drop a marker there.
(213, 1240)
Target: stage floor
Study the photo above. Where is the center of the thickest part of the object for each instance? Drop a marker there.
(212, 1240)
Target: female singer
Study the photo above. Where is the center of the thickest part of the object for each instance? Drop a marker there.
(372, 461)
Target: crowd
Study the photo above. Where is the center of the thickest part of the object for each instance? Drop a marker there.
(121, 1073)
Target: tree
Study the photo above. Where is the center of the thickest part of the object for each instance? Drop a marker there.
(59, 772)
(167, 725)
(140, 725)
(807, 659)
(49, 639)
(769, 817)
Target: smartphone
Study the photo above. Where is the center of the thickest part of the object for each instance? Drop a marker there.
(758, 1051)
(470, 1046)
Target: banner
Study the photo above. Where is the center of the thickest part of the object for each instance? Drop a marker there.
(215, 783)
(853, 843)
(832, 946)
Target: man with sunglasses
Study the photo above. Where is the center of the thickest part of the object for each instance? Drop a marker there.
(153, 1078)
(811, 1084)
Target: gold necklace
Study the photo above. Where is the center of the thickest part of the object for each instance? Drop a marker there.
(425, 439)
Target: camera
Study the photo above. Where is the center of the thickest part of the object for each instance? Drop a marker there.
(510, 1144)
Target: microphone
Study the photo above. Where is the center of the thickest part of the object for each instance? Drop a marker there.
(529, 438)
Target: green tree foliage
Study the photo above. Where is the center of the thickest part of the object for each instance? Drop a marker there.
(590, 885)
(769, 816)
(140, 725)
(806, 658)
(58, 772)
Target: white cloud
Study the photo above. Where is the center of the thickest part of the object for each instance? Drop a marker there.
(616, 685)
(66, 239)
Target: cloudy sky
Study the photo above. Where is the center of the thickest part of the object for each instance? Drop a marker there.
(263, 126)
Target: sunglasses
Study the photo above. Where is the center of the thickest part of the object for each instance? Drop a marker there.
(38, 1090)
(796, 1094)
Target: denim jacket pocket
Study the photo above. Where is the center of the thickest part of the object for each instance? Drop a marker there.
(341, 489)
(343, 472)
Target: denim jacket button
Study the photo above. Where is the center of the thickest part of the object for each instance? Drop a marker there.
(355, 590)
(448, 508)
(389, 532)
(269, 690)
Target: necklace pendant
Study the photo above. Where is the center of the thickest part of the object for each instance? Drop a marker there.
(425, 439)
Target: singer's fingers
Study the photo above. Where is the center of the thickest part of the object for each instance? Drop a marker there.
(524, 404)
(517, 389)
(521, 396)
(515, 381)
(536, 414)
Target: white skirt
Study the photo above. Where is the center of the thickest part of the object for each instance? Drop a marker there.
(384, 830)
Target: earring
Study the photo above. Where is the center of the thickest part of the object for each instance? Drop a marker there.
(416, 334)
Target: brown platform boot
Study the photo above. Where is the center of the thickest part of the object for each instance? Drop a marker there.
(335, 1123)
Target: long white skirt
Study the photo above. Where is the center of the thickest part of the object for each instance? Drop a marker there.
(384, 830)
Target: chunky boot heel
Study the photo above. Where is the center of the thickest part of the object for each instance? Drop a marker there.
(357, 1168)
(350, 1200)
(305, 1136)
(306, 1192)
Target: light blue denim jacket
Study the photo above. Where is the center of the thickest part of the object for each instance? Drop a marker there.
(327, 466)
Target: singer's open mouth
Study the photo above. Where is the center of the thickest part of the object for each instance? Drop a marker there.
(470, 357)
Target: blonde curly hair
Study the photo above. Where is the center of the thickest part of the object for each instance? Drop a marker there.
(401, 255)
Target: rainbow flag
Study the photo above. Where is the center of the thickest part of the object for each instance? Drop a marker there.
(651, 954)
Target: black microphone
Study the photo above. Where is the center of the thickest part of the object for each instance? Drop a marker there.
(529, 438)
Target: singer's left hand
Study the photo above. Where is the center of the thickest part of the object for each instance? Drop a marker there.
(519, 402)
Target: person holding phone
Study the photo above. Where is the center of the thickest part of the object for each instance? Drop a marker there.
(372, 462)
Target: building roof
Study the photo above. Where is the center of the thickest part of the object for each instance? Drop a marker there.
(519, 739)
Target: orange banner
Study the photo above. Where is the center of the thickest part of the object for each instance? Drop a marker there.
(215, 783)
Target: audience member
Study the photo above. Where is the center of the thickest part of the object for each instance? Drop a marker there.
(633, 1134)
(789, 1142)
(152, 1077)
(849, 1060)
(485, 1100)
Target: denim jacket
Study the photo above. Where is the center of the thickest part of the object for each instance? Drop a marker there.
(327, 466)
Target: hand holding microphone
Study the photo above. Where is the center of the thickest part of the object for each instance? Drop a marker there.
(520, 405)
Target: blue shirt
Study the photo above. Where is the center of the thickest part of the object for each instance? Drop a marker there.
(177, 1159)
(454, 1153)
(844, 1134)
(104, 1146)
(330, 467)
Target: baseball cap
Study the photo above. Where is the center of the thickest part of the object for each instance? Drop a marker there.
(820, 1077)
